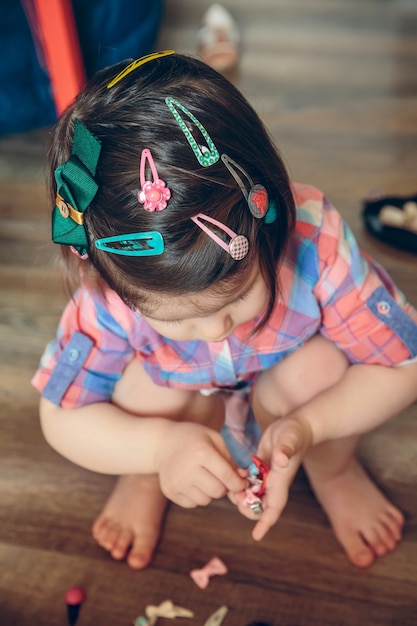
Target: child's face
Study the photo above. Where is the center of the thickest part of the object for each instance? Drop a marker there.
(208, 316)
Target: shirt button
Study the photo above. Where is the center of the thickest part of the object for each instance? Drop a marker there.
(383, 307)
(73, 354)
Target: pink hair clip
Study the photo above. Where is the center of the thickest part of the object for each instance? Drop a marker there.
(214, 567)
(238, 245)
(153, 193)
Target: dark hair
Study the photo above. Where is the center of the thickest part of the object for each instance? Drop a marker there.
(132, 115)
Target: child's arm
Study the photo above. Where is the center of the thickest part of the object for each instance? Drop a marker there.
(366, 397)
(192, 461)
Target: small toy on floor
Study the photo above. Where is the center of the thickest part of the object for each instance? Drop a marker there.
(74, 598)
(215, 567)
(217, 617)
(393, 220)
(166, 609)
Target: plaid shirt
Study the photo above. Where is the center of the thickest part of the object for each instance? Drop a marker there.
(328, 286)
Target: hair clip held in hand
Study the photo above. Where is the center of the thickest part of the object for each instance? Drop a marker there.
(153, 193)
(258, 472)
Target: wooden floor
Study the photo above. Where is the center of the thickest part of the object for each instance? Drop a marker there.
(336, 82)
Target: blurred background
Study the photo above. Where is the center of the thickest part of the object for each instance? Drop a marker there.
(335, 82)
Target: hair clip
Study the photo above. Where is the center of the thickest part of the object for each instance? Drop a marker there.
(257, 197)
(76, 189)
(215, 567)
(67, 210)
(133, 244)
(168, 610)
(258, 473)
(238, 246)
(205, 155)
(154, 194)
(137, 63)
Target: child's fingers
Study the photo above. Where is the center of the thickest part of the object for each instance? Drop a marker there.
(288, 439)
(265, 523)
(225, 469)
(228, 476)
(273, 504)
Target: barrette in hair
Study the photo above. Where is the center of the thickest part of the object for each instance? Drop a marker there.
(153, 194)
(238, 245)
(137, 63)
(148, 243)
(76, 189)
(257, 196)
(205, 155)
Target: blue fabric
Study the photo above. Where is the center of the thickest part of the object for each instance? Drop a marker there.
(72, 360)
(109, 31)
(384, 307)
(25, 92)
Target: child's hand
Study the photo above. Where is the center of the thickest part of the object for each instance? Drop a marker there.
(195, 466)
(283, 446)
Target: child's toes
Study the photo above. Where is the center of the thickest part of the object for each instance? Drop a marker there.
(140, 554)
(359, 553)
(121, 543)
(394, 521)
(107, 535)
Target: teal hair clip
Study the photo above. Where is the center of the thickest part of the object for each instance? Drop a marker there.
(133, 244)
(205, 155)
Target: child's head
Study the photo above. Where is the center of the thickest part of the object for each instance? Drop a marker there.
(145, 110)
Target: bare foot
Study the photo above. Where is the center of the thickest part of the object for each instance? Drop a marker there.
(363, 520)
(130, 523)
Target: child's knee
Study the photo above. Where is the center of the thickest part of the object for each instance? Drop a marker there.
(137, 393)
(308, 371)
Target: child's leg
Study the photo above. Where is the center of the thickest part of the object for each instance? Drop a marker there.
(365, 523)
(130, 522)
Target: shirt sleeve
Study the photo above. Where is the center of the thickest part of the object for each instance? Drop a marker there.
(363, 312)
(86, 359)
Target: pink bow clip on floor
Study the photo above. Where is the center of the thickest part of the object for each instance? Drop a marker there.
(215, 567)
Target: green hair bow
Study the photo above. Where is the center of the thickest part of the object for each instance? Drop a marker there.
(76, 189)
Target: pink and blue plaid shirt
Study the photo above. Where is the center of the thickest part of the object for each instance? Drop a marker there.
(328, 286)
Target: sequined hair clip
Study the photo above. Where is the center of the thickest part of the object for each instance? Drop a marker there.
(206, 155)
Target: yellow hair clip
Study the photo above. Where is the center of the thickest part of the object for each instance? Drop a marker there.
(137, 63)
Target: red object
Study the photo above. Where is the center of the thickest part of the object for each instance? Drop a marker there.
(62, 50)
(75, 595)
(263, 471)
(74, 598)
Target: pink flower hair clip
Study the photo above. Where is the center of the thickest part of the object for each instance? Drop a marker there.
(153, 193)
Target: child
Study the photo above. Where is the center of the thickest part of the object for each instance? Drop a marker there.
(208, 280)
